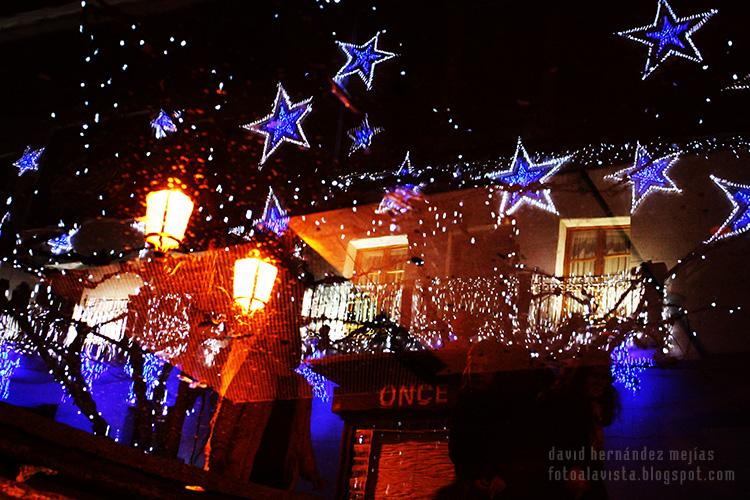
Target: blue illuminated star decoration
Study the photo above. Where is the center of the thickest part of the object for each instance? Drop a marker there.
(62, 244)
(362, 135)
(163, 125)
(738, 221)
(362, 59)
(405, 167)
(524, 173)
(275, 217)
(648, 175)
(284, 124)
(29, 161)
(668, 35)
(401, 199)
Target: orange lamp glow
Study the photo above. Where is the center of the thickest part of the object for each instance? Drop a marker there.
(253, 283)
(167, 216)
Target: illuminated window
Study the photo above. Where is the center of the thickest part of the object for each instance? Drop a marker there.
(381, 264)
(377, 260)
(597, 250)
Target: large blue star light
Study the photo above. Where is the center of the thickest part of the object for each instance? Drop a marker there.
(284, 124)
(648, 175)
(362, 59)
(362, 135)
(738, 221)
(668, 35)
(163, 125)
(29, 161)
(523, 173)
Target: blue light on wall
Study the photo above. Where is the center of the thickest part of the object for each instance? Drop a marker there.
(628, 365)
(9, 361)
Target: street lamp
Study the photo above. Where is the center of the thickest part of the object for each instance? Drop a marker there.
(167, 215)
(253, 282)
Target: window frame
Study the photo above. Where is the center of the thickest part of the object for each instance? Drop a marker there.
(357, 245)
(566, 225)
(599, 255)
(383, 270)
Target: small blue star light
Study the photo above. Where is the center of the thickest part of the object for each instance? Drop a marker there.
(163, 125)
(405, 168)
(362, 59)
(284, 124)
(738, 221)
(274, 216)
(63, 243)
(648, 175)
(29, 160)
(401, 199)
(523, 173)
(668, 35)
(362, 136)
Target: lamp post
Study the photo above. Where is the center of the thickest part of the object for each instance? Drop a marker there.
(253, 283)
(167, 215)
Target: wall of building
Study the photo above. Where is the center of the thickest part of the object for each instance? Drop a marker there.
(696, 407)
(457, 233)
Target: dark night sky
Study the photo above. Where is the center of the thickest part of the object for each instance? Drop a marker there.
(551, 72)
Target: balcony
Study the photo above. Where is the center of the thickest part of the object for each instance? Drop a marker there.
(345, 306)
(516, 309)
(597, 297)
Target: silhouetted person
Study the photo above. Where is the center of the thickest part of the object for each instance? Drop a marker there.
(495, 443)
(581, 404)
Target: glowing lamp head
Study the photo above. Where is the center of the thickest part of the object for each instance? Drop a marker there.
(253, 283)
(167, 215)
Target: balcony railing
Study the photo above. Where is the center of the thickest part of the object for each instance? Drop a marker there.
(506, 308)
(345, 306)
(596, 297)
